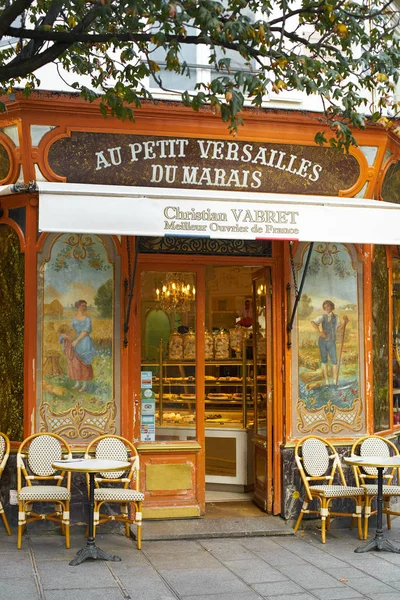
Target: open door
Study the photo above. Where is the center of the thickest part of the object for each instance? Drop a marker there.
(262, 439)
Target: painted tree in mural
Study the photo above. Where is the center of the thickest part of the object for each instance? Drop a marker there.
(338, 50)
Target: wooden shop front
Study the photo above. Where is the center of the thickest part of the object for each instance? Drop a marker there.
(189, 250)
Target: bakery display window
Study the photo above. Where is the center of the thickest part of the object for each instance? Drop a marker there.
(169, 350)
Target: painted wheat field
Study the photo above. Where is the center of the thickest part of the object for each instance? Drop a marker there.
(57, 386)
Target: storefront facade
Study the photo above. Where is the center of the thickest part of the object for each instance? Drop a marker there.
(182, 250)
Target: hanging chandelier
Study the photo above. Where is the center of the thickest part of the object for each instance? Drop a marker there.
(175, 294)
(261, 290)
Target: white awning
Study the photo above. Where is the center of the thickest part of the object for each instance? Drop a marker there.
(148, 211)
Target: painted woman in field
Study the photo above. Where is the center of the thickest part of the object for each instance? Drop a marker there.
(80, 351)
(327, 326)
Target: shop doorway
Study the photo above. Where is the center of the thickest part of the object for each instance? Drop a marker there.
(238, 390)
(206, 347)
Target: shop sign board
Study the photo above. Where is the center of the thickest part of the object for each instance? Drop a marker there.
(194, 163)
(215, 215)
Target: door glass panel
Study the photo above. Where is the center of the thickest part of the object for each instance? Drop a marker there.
(228, 385)
(168, 334)
(262, 332)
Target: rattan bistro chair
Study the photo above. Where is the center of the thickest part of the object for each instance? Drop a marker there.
(115, 487)
(4, 454)
(318, 461)
(35, 457)
(366, 477)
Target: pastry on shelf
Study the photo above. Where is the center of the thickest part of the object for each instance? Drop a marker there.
(188, 396)
(188, 418)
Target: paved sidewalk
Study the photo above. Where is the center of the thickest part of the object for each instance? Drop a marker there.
(294, 567)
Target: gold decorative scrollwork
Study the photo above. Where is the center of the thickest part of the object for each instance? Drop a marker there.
(79, 243)
(327, 250)
(329, 418)
(78, 422)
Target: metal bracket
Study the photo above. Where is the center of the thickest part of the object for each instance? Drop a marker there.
(130, 296)
(298, 296)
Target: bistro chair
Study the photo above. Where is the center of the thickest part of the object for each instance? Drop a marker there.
(366, 477)
(35, 457)
(4, 454)
(116, 487)
(318, 461)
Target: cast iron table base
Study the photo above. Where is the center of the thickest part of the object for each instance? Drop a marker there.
(379, 542)
(90, 550)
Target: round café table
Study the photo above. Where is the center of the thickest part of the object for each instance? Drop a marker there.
(380, 463)
(91, 466)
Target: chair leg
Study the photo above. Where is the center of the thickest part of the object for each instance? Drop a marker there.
(3, 516)
(300, 517)
(324, 512)
(386, 508)
(359, 506)
(66, 525)
(138, 521)
(328, 523)
(367, 514)
(21, 524)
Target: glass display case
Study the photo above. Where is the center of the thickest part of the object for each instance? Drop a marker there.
(229, 388)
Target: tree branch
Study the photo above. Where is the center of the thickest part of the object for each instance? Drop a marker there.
(10, 13)
(20, 67)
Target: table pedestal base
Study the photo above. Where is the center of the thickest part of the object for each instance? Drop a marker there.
(92, 551)
(378, 543)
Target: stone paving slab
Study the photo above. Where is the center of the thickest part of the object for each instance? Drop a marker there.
(289, 567)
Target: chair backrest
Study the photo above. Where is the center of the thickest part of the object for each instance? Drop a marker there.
(373, 445)
(115, 447)
(317, 461)
(36, 455)
(4, 451)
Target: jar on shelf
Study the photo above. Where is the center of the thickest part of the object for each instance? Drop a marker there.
(189, 345)
(260, 345)
(208, 345)
(236, 337)
(175, 346)
(221, 345)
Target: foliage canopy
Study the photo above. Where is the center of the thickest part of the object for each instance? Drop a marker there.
(343, 51)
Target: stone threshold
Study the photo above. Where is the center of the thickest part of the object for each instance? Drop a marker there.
(191, 529)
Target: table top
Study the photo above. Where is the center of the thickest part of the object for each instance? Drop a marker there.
(373, 461)
(91, 465)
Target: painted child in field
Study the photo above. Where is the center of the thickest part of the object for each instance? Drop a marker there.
(327, 326)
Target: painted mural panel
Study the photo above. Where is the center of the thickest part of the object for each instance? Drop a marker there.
(76, 352)
(327, 348)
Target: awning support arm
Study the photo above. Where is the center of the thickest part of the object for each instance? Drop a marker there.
(130, 292)
(298, 296)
